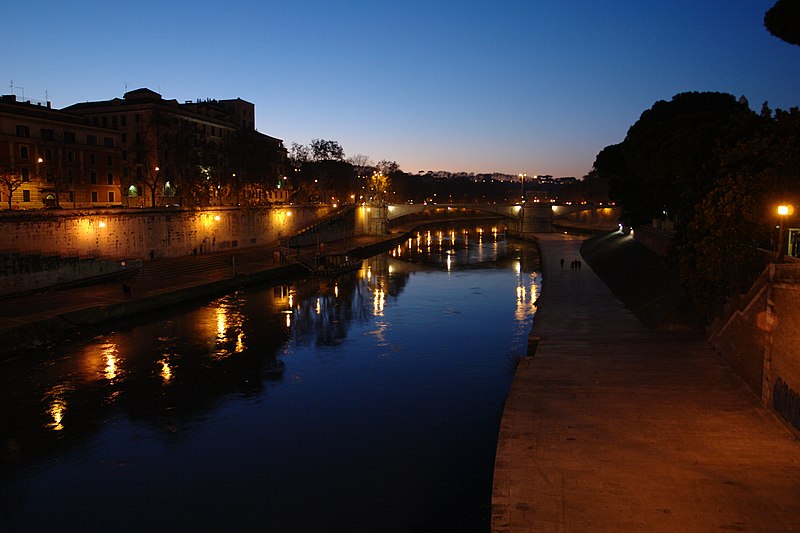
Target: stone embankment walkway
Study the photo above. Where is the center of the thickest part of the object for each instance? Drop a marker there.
(33, 319)
(613, 427)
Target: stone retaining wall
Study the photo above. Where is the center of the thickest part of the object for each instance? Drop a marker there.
(138, 233)
(760, 334)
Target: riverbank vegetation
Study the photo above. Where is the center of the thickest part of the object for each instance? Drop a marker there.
(715, 170)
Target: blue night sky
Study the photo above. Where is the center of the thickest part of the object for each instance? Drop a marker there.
(536, 87)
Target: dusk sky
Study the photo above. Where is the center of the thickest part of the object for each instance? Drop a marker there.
(535, 87)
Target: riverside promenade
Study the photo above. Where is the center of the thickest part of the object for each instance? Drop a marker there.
(613, 427)
(34, 320)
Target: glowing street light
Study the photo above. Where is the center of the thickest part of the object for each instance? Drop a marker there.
(783, 211)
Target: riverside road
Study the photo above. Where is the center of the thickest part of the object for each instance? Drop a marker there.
(615, 427)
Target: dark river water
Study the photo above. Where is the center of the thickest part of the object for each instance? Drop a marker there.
(367, 403)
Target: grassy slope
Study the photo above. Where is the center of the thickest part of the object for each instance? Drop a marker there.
(640, 279)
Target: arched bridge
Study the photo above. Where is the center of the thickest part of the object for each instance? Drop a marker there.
(396, 211)
(530, 217)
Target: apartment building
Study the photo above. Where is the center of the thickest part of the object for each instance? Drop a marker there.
(52, 158)
(202, 152)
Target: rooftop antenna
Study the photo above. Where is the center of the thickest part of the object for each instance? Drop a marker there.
(22, 90)
(18, 87)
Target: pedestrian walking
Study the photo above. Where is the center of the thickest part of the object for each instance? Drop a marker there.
(562, 262)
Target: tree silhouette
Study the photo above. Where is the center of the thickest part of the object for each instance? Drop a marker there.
(783, 21)
(11, 179)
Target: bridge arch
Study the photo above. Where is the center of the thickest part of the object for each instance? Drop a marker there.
(398, 211)
(528, 218)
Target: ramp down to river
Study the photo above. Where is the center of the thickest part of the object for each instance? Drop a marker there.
(616, 427)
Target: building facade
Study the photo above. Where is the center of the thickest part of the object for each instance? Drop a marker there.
(52, 158)
(195, 153)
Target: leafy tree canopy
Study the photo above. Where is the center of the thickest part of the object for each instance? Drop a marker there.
(783, 21)
(668, 159)
(323, 150)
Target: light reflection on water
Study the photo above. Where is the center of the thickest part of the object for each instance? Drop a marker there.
(371, 399)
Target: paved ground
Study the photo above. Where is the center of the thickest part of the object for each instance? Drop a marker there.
(615, 427)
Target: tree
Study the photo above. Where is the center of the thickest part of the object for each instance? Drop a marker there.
(11, 179)
(299, 153)
(668, 160)
(322, 150)
(783, 21)
(362, 165)
(718, 250)
(388, 167)
(379, 187)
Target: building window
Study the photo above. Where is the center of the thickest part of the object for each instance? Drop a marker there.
(124, 155)
(108, 142)
(111, 196)
(105, 122)
(23, 131)
(47, 134)
(69, 136)
(109, 160)
(110, 178)
(70, 156)
(26, 195)
(92, 159)
(94, 196)
(23, 152)
(93, 177)
(70, 177)
(71, 196)
(26, 174)
(123, 120)
(91, 140)
(137, 118)
(114, 121)
(124, 138)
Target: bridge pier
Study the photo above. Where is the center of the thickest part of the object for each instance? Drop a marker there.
(536, 219)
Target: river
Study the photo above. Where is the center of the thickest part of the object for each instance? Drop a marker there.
(367, 403)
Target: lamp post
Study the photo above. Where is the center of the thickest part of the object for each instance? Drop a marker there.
(783, 212)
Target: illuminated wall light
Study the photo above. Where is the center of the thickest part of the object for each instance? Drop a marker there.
(102, 224)
(216, 218)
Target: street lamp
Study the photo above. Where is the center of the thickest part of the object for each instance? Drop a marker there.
(783, 211)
